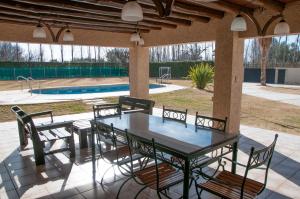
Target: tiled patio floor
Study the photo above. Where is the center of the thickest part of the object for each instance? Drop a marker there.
(61, 178)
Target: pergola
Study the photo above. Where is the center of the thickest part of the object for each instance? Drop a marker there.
(98, 22)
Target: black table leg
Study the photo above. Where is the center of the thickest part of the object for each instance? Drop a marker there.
(93, 153)
(234, 157)
(186, 181)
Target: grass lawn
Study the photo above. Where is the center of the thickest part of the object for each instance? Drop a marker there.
(59, 108)
(256, 112)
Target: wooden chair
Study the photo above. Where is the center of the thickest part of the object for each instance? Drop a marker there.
(210, 122)
(44, 135)
(233, 186)
(175, 115)
(160, 176)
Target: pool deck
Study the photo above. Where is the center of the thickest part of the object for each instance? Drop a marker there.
(24, 97)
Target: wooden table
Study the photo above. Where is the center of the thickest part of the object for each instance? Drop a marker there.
(176, 139)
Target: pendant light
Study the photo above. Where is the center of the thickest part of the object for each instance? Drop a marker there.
(132, 11)
(135, 37)
(141, 42)
(68, 35)
(39, 32)
(238, 24)
(282, 28)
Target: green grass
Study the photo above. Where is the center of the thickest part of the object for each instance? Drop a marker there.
(59, 108)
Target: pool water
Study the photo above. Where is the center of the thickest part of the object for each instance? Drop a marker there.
(89, 89)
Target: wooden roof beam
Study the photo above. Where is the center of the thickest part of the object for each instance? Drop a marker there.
(65, 22)
(33, 23)
(95, 10)
(41, 15)
(273, 5)
(199, 9)
(54, 12)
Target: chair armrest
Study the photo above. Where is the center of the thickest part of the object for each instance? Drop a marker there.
(133, 111)
(42, 113)
(235, 162)
(55, 125)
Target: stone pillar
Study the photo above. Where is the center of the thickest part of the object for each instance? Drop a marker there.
(139, 72)
(229, 76)
(264, 45)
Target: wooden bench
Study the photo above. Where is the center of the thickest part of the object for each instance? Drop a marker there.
(44, 136)
(132, 104)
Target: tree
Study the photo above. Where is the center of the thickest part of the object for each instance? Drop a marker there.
(118, 55)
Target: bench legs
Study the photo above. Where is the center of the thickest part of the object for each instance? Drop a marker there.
(83, 140)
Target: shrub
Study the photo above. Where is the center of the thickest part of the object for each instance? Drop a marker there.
(201, 75)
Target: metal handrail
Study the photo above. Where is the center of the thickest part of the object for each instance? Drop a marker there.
(28, 80)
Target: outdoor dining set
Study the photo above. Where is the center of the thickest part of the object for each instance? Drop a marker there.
(156, 152)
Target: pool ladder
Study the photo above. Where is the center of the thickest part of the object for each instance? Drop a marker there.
(29, 84)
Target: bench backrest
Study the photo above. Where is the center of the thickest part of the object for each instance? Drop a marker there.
(137, 103)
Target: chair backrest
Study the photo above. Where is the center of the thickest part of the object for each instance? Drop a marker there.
(15, 109)
(106, 110)
(210, 122)
(176, 115)
(133, 103)
(144, 147)
(260, 159)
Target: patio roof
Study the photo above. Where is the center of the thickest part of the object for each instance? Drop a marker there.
(164, 22)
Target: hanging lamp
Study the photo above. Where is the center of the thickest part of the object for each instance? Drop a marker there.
(68, 36)
(238, 24)
(39, 32)
(282, 28)
(132, 11)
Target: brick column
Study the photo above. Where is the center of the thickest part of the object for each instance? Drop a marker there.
(139, 72)
(229, 75)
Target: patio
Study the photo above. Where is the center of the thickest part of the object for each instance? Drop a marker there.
(110, 23)
(61, 178)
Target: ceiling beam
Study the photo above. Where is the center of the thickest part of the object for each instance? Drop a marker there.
(169, 7)
(54, 12)
(97, 10)
(75, 18)
(273, 5)
(69, 22)
(21, 21)
(160, 7)
(199, 9)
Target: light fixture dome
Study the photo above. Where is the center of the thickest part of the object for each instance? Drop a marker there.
(68, 36)
(141, 42)
(238, 24)
(135, 37)
(132, 11)
(39, 32)
(282, 28)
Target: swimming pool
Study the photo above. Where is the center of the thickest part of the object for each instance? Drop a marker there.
(89, 89)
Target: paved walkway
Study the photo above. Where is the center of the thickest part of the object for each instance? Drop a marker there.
(256, 90)
(24, 97)
(61, 178)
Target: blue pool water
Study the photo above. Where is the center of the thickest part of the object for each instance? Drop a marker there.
(89, 89)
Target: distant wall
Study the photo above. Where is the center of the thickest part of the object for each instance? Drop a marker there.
(292, 75)
(37, 70)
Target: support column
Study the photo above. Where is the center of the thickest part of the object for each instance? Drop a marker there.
(229, 76)
(139, 72)
(264, 45)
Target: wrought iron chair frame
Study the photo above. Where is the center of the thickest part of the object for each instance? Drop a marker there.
(257, 159)
(148, 149)
(177, 115)
(213, 123)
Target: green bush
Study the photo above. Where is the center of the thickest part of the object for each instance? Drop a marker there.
(201, 75)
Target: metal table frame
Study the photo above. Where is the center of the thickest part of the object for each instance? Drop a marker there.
(177, 153)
